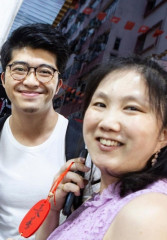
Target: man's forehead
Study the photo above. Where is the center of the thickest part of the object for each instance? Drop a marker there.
(32, 55)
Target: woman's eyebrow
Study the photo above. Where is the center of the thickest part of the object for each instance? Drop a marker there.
(100, 95)
(136, 98)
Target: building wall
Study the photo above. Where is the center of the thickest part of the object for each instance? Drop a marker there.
(96, 41)
(159, 14)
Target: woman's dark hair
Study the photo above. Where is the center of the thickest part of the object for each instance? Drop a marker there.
(37, 36)
(155, 78)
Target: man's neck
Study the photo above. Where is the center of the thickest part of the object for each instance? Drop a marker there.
(33, 129)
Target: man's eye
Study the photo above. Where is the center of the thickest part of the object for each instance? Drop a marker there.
(45, 71)
(19, 69)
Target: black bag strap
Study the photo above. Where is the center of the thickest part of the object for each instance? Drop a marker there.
(74, 145)
(74, 142)
(2, 121)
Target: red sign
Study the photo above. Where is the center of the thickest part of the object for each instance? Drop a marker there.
(157, 32)
(101, 15)
(129, 25)
(69, 89)
(73, 90)
(115, 19)
(76, 6)
(78, 93)
(143, 29)
(88, 10)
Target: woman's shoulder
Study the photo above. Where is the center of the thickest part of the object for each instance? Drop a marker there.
(144, 217)
(151, 202)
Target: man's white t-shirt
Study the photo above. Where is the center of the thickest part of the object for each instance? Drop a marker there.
(26, 174)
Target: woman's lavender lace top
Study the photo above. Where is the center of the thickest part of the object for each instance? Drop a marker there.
(92, 220)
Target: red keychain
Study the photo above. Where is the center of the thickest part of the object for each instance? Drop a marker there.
(37, 214)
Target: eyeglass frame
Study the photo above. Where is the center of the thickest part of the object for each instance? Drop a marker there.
(35, 69)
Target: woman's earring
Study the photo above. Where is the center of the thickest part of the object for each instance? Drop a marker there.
(154, 160)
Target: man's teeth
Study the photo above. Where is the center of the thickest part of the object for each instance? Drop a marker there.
(109, 142)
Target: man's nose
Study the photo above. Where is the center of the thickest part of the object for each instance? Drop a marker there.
(31, 79)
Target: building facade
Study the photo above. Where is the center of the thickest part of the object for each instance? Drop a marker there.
(99, 30)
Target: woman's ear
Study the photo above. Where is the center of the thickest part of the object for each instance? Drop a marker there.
(163, 138)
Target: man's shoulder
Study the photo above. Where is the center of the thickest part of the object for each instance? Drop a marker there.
(61, 119)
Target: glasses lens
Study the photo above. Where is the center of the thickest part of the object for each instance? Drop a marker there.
(19, 71)
(44, 73)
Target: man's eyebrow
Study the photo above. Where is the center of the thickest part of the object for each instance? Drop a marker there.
(20, 62)
(25, 63)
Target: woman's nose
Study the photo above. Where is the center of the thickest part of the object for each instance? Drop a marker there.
(111, 122)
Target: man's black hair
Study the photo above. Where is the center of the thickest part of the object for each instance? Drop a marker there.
(37, 36)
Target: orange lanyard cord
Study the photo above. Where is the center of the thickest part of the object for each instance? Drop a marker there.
(57, 182)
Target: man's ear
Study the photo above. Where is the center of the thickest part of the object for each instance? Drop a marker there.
(60, 83)
(3, 79)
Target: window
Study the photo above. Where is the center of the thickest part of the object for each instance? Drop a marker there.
(76, 67)
(110, 9)
(94, 23)
(71, 31)
(146, 41)
(153, 5)
(72, 15)
(140, 43)
(94, 4)
(82, 2)
(67, 73)
(150, 5)
(80, 18)
(97, 46)
(117, 43)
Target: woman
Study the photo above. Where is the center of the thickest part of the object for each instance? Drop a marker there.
(125, 131)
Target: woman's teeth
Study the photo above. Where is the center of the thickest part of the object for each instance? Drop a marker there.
(109, 142)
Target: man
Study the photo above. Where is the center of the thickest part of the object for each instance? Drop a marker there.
(32, 140)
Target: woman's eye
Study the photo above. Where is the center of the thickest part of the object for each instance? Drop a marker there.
(132, 108)
(98, 104)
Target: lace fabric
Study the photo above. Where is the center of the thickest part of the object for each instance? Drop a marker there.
(92, 220)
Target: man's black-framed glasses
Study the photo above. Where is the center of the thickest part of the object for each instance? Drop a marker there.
(43, 73)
